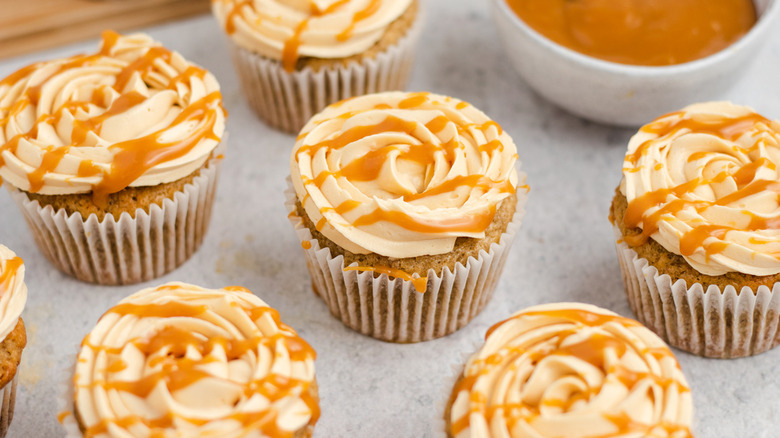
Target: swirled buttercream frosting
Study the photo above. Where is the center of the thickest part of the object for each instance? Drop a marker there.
(179, 360)
(402, 174)
(703, 182)
(571, 370)
(133, 114)
(286, 30)
(13, 290)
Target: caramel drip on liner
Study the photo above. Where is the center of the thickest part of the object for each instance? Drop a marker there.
(168, 348)
(591, 350)
(132, 158)
(731, 129)
(420, 283)
(368, 166)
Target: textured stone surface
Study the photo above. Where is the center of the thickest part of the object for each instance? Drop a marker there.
(564, 250)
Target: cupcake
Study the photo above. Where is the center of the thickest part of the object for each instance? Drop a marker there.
(112, 157)
(179, 360)
(570, 370)
(406, 205)
(13, 296)
(696, 224)
(295, 58)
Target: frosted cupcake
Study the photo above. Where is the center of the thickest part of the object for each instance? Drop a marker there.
(179, 360)
(406, 205)
(13, 297)
(295, 58)
(696, 219)
(570, 370)
(112, 157)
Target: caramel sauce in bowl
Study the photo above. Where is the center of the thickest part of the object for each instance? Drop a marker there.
(623, 94)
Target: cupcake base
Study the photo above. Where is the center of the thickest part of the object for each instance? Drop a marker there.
(7, 408)
(128, 250)
(718, 322)
(390, 308)
(287, 100)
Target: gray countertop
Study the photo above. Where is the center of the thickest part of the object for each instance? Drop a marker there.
(563, 252)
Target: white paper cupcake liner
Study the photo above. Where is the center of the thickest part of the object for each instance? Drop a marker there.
(287, 100)
(392, 309)
(130, 250)
(712, 322)
(7, 408)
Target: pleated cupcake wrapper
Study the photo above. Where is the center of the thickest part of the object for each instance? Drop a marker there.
(287, 100)
(713, 322)
(391, 309)
(130, 250)
(7, 408)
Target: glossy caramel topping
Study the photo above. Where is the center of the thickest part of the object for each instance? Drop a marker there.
(640, 32)
(420, 283)
(402, 174)
(10, 270)
(286, 30)
(704, 183)
(185, 361)
(13, 290)
(132, 114)
(571, 370)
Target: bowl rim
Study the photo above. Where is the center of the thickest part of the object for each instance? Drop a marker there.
(769, 15)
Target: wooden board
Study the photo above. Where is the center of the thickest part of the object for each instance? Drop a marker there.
(30, 25)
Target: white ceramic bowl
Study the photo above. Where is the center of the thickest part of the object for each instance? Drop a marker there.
(619, 94)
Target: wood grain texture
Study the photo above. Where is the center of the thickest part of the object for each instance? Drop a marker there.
(30, 25)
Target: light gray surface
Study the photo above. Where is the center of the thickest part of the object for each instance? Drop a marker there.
(564, 250)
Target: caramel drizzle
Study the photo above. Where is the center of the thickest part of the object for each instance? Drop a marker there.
(10, 270)
(230, 22)
(131, 158)
(671, 201)
(591, 350)
(167, 349)
(290, 50)
(359, 16)
(368, 167)
(62, 416)
(419, 283)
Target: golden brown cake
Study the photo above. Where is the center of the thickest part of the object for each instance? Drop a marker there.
(294, 59)
(180, 360)
(570, 370)
(694, 220)
(406, 205)
(113, 157)
(13, 297)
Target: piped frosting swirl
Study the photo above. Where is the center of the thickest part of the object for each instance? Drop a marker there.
(179, 360)
(133, 114)
(286, 30)
(13, 290)
(704, 183)
(402, 174)
(571, 370)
